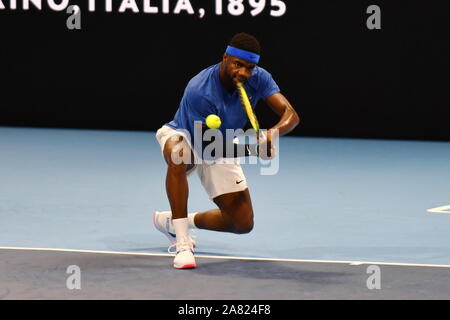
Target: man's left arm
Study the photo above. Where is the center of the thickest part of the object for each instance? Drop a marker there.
(289, 118)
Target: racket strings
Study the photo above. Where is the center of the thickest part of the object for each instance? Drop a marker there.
(247, 106)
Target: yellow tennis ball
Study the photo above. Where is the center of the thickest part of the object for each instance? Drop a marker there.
(213, 121)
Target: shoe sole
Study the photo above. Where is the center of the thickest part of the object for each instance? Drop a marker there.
(172, 240)
(186, 266)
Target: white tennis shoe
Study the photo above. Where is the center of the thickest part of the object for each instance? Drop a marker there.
(163, 222)
(184, 258)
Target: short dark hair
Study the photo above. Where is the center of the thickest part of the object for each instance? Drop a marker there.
(246, 42)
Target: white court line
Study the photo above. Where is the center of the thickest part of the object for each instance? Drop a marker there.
(443, 209)
(352, 263)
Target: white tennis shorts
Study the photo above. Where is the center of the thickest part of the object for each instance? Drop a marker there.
(223, 176)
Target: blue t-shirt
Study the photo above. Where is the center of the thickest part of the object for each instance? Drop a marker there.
(205, 94)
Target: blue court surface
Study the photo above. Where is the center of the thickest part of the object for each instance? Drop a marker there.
(331, 199)
(330, 210)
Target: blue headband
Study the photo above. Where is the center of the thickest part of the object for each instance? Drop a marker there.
(243, 54)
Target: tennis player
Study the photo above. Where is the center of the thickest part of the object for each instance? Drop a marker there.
(213, 91)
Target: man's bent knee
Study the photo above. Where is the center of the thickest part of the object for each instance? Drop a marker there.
(243, 227)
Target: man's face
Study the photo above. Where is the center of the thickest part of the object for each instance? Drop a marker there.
(236, 69)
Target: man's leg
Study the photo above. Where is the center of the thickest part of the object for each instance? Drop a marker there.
(176, 181)
(235, 214)
(177, 192)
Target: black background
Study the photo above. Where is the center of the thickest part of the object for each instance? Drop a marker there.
(128, 71)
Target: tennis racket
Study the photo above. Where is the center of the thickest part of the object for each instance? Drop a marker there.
(251, 115)
(248, 107)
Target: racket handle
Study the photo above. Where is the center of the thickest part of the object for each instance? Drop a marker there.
(261, 135)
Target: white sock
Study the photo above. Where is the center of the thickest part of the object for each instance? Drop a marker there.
(191, 217)
(181, 228)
